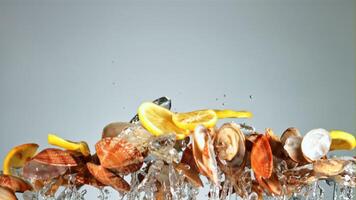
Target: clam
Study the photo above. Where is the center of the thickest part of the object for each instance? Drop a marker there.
(55, 157)
(116, 153)
(316, 144)
(229, 143)
(261, 157)
(292, 147)
(108, 178)
(275, 143)
(7, 194)
(331, 167)
(14, 183)
(115, 128)
(288, 133)
(271, 184)
(204, 155)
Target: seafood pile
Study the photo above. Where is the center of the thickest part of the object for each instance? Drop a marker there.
(160, 154)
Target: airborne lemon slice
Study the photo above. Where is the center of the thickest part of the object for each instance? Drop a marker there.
(69, 145)
(190, 120)
(233, 114)
(158, 120)
(342, 140)
(18, 156)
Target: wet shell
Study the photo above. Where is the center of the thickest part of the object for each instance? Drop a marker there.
(191, 175)
(261, 157)
(288, 133)
(117, 153)
(55, 157)
(203, 152)
(115, 128)
(39, 171)
(275, 143)
(108, 178)
(14, 183)
(316, 144)
(293, 148)
(329, 167)
(7, 194)
(229, 143)
(188, 158)
(272, 184)
(129, 168)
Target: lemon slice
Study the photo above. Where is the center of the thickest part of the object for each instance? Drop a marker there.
(190, 120)
(342, 140)
(233, 114)
(18, 156)
(158, 120)
(81, 147)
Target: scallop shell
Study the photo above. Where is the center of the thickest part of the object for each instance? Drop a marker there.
(55, 157)
(108, 178)
(261, 157)
(117, 153)
(14, 183)
(316, 144)
(7, 194)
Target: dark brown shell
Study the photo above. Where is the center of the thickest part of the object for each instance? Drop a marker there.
(55, 157)
(129, 168)
(108, 178)
(7, 194)
(261, 157)
(14, 183)
(190, 174)
(116, 152)
(271, 184)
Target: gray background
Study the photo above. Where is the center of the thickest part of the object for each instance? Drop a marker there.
(71, 67)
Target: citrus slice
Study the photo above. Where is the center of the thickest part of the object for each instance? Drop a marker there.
(233, 114)
(81, 147)
(158, 120)
(190, 120)
(342, 140)
(18, 156)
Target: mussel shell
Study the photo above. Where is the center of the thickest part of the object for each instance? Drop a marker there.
(261, 157)
(14, 183)
(55, 157)
(108, 178)
(117, 153)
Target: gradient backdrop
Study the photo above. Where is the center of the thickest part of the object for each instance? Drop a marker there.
(71, 67)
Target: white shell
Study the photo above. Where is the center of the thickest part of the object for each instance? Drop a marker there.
(316, 144)
(199, 136)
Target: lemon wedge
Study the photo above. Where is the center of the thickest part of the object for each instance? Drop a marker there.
(341, 140)
(18, 156)
(233, 114)
(81, 147)
(190, 120)
(158, 120)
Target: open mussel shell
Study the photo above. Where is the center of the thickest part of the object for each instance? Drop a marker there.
(261, 157)
(14, 183)
(7, 194)
(289, 132)
(55, 157)
(316, 144)
(115, 153)
(108, 178)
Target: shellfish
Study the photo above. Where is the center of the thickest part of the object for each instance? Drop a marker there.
(261, 157)
(204, 155)
(316, 144)
(116, 153)
(7, 194)
(14, 183)
(108, 178)
(55, 157)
